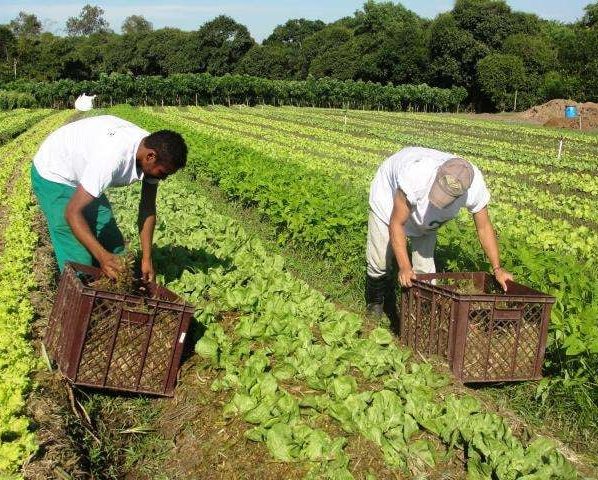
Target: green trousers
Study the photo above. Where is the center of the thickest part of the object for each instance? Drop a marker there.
(53, 198)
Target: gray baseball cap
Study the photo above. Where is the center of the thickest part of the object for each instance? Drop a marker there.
(452, 180)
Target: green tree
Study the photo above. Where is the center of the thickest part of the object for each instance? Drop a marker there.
(125, 54)
(222, 42)
(539, 55)
(588, 63)
(8, 46)
(26, 28)
(90, 20)
(87, 57)
(491, 21)
(167, 51)
(269, 61)
(8, 43)
(391, 44)
(565, 40)
(500, 76)
(324, 42)
(577, 47)
(284, 45)
(557, 85)
(294, 32)
(136, 24)
(453, 53)
(26, 25)
(53, 57)
(340, 63)
(590, 18)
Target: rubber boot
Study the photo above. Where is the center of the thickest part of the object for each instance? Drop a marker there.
(391, 304)
(375, 289)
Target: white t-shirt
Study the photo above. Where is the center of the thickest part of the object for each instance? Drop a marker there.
(96, 153)
(413, 170)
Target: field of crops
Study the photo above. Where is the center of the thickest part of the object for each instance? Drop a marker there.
(542, 208)
(318, 386)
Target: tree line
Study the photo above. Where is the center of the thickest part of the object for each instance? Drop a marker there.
(185, 89)
(504, 59)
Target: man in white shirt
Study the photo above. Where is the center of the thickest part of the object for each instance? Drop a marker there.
(77, 163)
(414, 192)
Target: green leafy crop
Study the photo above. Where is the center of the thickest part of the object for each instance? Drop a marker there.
(291, 362)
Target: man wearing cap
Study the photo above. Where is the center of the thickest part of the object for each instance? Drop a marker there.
(414, 192)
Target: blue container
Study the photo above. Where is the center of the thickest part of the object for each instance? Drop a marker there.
(570, 111)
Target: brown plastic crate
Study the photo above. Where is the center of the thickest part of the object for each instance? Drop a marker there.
(486, 337)
(117, 342)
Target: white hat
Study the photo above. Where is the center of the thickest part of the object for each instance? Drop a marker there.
(84, 103)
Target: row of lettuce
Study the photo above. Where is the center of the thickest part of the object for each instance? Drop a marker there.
(325, 153)
(292, 362)
(15, 122)
(525, 139)
(313, 207)
(202, 88)
(554, 194)
(17, 358)
(365, 142)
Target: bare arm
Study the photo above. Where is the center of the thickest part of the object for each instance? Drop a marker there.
(489, 244)
(74, 216)
(146, 222)
(398, 239)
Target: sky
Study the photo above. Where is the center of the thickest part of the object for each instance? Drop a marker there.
(260, 16)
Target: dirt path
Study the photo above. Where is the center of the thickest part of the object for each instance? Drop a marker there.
(204, 444)
(58, 429)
